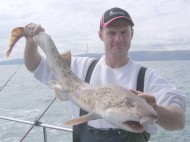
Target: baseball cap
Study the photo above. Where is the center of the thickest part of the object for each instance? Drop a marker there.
(113, 14)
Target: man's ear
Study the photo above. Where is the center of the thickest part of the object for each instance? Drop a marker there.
(132, 32)
(100, 33)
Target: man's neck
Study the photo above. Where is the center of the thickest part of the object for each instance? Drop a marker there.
(116, 61)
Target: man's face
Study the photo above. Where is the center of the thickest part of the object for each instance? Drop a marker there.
(117, 37)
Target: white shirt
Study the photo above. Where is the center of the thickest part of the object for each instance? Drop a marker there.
(126, 76)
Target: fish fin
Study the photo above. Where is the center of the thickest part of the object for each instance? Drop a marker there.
(62, 95)
(55, 84)
(66, 58)
(16, 34)
(82, 119)
(59, 91)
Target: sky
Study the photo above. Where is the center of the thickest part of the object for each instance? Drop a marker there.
(74, 24)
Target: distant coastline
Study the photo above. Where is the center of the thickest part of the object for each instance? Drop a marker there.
(12, 62)
(154, 55)
(160, 55)
(135, 55)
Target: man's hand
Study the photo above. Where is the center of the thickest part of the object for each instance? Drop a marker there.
(170, 117)
(149, 98)
(32, 30)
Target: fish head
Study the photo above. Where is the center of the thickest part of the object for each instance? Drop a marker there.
(129, 121)
(128, 113)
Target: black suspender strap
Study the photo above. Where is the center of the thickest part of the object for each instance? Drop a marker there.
(90, 70)
(140, 87)
(140, 79)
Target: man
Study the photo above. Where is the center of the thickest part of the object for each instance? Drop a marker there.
(115, 67)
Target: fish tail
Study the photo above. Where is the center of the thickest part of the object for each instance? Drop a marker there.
(16, 34)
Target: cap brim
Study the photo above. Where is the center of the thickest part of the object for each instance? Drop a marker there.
(120, 17)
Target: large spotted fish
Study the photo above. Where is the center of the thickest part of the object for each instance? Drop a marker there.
(115, 104)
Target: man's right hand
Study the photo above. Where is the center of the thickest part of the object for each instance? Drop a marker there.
(32, 30)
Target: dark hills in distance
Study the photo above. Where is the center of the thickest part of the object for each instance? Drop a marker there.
(154, 55)
(135, 55)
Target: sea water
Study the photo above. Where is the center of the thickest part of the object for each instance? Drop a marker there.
(25, 98)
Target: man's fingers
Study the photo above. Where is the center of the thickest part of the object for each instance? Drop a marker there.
(32, 30)
(150, 100)
(38, 29)
(135, 92)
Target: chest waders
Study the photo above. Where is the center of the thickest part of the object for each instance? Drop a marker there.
(85, 133)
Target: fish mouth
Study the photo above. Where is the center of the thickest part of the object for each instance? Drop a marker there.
(136, 126)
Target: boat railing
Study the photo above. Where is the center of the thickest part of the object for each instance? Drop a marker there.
(39, 124)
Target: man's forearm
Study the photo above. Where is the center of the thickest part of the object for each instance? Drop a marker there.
(31, 56)
(170, 118)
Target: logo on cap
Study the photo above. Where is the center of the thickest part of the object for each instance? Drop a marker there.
(116, 13)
